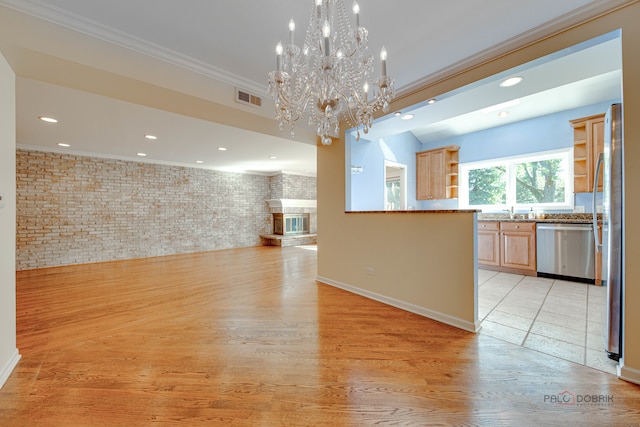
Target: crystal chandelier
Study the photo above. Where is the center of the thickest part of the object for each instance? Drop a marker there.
(331, 77)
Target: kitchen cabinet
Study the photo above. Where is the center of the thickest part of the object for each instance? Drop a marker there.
(588, 143)
(507, 246)
(489, 243)
(437, 173)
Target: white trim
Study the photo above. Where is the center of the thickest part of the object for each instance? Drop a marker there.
(422, 311)
(403, 183)
(91, 28)
(116, 37)
(629, 374)
(292, 203)
(9, 367)
(560, 24)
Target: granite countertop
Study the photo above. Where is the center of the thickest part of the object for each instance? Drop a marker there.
(430, 211)
(564, 218)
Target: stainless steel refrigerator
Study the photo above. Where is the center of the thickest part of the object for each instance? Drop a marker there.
(610, 161)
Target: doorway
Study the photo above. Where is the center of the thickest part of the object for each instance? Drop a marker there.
(395, 186)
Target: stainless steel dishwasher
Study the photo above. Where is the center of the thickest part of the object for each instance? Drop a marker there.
(565, 251)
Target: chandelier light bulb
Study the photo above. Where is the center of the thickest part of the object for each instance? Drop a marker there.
(383, 61)
(356, 12)
(292, 27)
(326, 32)
(279, 50)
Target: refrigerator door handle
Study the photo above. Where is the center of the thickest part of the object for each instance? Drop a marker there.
(596, 235)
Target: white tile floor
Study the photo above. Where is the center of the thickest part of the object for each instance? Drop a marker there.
(556, 317)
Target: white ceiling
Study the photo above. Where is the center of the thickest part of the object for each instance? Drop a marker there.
(114, 71)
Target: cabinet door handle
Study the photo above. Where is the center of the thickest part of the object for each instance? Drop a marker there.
(517, 226)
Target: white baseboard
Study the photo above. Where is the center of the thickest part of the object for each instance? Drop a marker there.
(9, 367)
(629, 374)
(431, 314)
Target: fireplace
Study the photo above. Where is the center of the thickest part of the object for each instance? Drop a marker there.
(288, 224)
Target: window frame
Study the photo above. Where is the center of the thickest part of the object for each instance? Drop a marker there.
(510, 163)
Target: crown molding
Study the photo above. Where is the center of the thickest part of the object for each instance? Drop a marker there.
(591, 11)
(76, 23)
(40, 10)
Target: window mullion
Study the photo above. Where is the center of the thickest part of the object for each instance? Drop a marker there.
(511, 184)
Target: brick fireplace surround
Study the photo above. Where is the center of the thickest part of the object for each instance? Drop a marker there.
(292, 206)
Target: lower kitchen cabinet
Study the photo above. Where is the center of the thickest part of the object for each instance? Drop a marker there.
(507, 246)
(489, 243)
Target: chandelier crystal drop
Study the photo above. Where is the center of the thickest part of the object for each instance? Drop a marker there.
(330, 78)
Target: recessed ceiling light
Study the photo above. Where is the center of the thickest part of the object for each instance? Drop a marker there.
(199, 162)
(62, 144)
(272, 157)
(141, 154)
(511, 81)
(151, 137)
(222, 149)
(431, 101)
(48, 119)
(501, 106)
(407, 116)
(397, 113)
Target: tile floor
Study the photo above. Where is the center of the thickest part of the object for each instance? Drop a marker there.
(556, 317)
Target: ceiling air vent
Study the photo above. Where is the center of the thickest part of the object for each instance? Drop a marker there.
(244, 97)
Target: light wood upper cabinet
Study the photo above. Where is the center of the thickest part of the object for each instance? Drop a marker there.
(588, 143)
(437, 173)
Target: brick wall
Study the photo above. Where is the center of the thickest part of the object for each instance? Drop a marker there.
(286, 186)
(75, 209)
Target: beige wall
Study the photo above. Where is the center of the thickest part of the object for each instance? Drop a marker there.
(8, 352)
(347, 241)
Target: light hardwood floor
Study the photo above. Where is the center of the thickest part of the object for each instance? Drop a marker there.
(247, 337)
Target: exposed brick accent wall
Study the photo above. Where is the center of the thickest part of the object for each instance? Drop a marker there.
(287, 186)
(299, 187)
(75, 209)
(276, 186)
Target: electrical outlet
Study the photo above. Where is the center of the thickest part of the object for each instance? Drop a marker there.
(370, 271)
(578, 209)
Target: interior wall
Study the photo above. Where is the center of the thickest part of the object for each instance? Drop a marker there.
(342, 236)
(8, 352)
(77, 209)
(366, 191)
(421, 262)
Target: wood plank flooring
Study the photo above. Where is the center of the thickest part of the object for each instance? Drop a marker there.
(247, 337)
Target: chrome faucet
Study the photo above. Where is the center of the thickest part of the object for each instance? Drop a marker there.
(511, 212)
